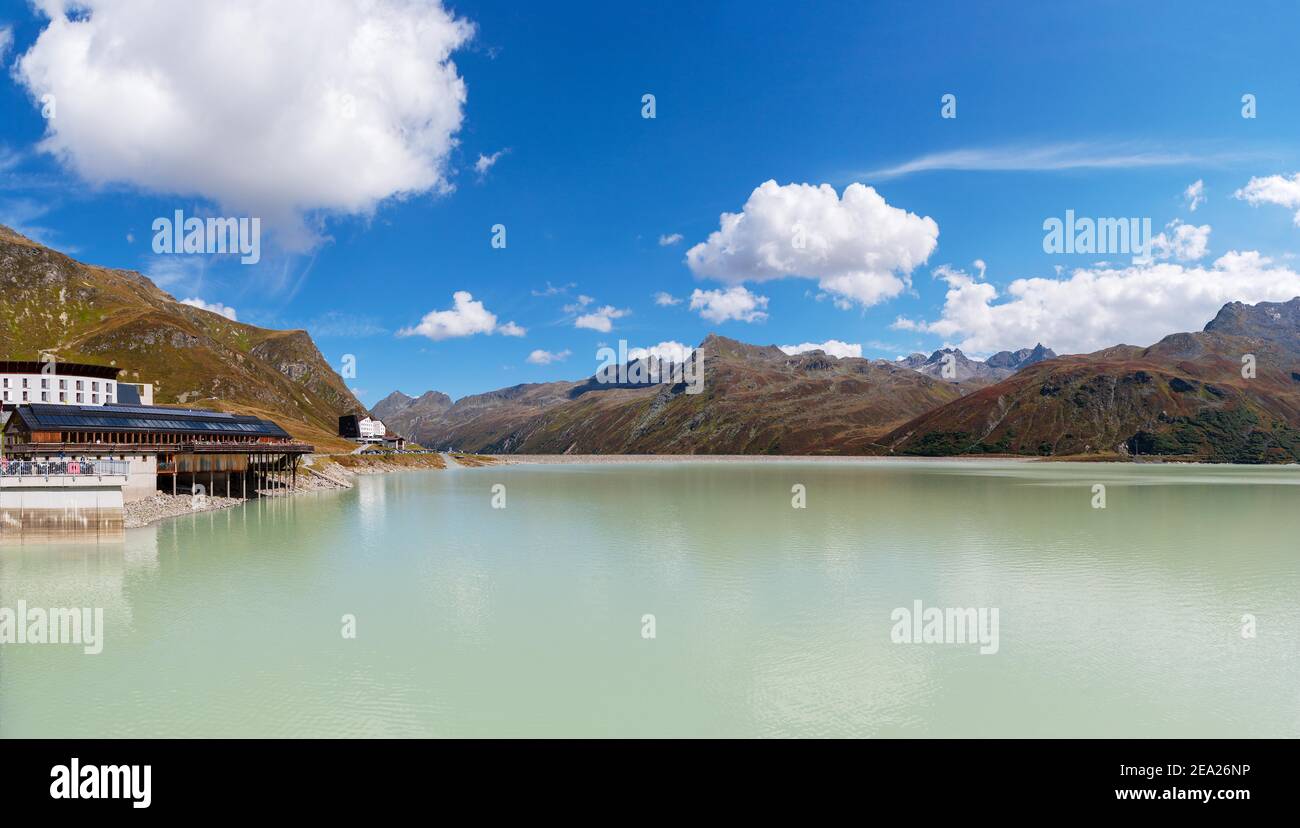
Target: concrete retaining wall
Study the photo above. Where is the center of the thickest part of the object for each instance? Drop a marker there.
(87, 512)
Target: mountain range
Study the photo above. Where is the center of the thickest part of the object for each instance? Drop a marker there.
(952, 365)
(1189, 396)
(1228, 393)
(755, 400)
(82, 313)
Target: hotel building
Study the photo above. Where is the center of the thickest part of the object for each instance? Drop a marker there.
(57, 412)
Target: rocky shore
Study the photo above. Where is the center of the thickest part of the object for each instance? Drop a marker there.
(162, 506)
(318, 474)
(352, 464)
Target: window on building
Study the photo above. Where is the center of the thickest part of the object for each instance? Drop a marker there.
(94, 386)
(45, 383)
(94, 399)
(79, 388)
(45, 396)
(63, 385)
(79, 396)
(63, 396)
(24, 382)
(24, 396)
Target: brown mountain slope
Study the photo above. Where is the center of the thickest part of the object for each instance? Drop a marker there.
(408, 415)
(755, 400)
(481, 420)
(1185, 396)
(50, 303)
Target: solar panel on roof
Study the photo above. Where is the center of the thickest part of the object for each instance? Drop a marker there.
(145, 418)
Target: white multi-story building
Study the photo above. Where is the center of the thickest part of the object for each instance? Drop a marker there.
(371, 431)
(59, 383)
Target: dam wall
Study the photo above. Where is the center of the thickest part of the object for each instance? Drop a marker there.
(61, 509)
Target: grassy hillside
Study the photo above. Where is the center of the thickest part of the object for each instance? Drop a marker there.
(1183, 398)
(78, 312)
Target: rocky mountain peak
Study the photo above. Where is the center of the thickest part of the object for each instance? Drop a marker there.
(399, 407)
(1015, 360)
(1264, 320)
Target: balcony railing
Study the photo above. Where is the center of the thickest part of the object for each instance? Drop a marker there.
(184, 447)
(63, 468)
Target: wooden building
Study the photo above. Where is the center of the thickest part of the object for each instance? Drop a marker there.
(174, 450)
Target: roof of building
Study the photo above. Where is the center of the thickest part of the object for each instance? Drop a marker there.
(143, 418)
(67, 369)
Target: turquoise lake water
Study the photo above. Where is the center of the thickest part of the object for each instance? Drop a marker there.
(768, 620)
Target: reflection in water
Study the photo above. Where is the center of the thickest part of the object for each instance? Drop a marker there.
(770, 620)
(71, 575)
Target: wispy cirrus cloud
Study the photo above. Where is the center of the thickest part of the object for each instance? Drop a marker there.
(1049, 158)
(342, 325)
(25, 215)
(177, 274)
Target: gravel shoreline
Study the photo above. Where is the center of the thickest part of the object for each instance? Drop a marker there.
(162, 506)
(321, 473)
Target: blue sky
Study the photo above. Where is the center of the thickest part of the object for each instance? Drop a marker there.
(1105, 109)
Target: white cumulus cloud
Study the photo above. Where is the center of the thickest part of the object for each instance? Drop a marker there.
(1195, 194)
(1095, 308)
(733, 303)
(600, 319)
(212, 307)
(834, 347)
(665, 299)
(6, 40)
(540, 357)
(284, 109)
(466, 317)
(857, 247)
(669, 240)
(672, 351)
(1273, 189)
(1184, 242)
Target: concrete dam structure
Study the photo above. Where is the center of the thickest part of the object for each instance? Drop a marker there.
(61, 502)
